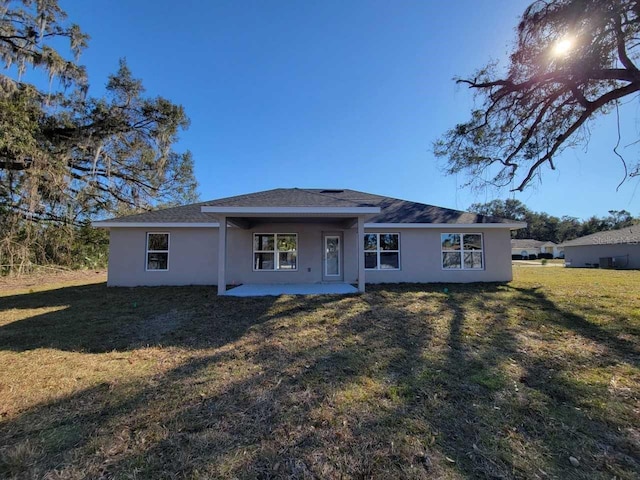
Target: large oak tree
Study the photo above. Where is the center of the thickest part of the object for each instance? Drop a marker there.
(64, 156)
(573, 60)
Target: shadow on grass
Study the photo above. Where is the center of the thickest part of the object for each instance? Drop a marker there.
(578, 323)
(405, 381)
(96, 319)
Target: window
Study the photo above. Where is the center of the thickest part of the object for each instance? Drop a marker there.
(462, 251)
(382, 251)
(275, 251)
(157, 251)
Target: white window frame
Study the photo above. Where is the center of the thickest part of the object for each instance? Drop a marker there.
(462, 252)
(275, 251)
(378, 251)
(147, 252)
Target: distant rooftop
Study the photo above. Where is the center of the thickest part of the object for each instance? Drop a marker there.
(525, 243)
(610, 237)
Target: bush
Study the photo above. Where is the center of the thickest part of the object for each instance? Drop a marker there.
(533, 256)
(548, 256)
(516, 257)
(544, 261)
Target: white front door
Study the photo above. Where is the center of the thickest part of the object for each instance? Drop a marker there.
(332, 258)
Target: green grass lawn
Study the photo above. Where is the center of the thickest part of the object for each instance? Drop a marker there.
(405, 381)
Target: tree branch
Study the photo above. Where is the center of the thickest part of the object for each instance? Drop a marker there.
(595, 105)
(564, 77)
(621, 47)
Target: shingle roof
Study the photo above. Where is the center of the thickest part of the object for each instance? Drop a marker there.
(183, 214)
(393, 210)
(293, 197)
(610, 237)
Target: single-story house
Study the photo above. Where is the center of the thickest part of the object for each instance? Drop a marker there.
(611, 249)
(307, 236)
(526, 247)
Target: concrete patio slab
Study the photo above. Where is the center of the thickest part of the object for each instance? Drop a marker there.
(262, 290)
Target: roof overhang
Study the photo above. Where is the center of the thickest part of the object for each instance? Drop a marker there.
(440, 226)
(115, 223)
(281, 216)
(291, 211)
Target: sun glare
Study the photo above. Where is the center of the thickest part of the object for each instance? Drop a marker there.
(563, 46)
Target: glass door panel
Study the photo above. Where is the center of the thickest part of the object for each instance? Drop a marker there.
(332, 256)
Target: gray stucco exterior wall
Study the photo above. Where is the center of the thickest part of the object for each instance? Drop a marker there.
(627, 255)
(193, 256)
(420, 258)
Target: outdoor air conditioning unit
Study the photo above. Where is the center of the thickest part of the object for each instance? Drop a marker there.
(607, 262)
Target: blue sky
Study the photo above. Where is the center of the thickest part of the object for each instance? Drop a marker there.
(334, 94)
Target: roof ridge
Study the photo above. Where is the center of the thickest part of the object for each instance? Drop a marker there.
(254, 194)
(327, 195)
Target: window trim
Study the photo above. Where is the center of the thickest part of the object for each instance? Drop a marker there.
(461, 251)
(275, 251)
(378, 251)
(147, 252)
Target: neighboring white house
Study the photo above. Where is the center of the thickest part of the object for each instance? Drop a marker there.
(303, 236)
(611, 249)
(526, 247)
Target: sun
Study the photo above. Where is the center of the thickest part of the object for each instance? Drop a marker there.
(562, 47)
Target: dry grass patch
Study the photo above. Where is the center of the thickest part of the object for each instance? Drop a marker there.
(406, 381)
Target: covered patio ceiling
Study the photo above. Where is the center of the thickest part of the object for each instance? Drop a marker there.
(250, 217)
(252, 222)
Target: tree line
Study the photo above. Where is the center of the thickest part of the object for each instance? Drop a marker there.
(549, 228)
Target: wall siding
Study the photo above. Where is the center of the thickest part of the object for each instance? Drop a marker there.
(420, 258)
(579, 256)
(193, 256)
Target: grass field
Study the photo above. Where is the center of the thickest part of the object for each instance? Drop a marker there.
(538, 378)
